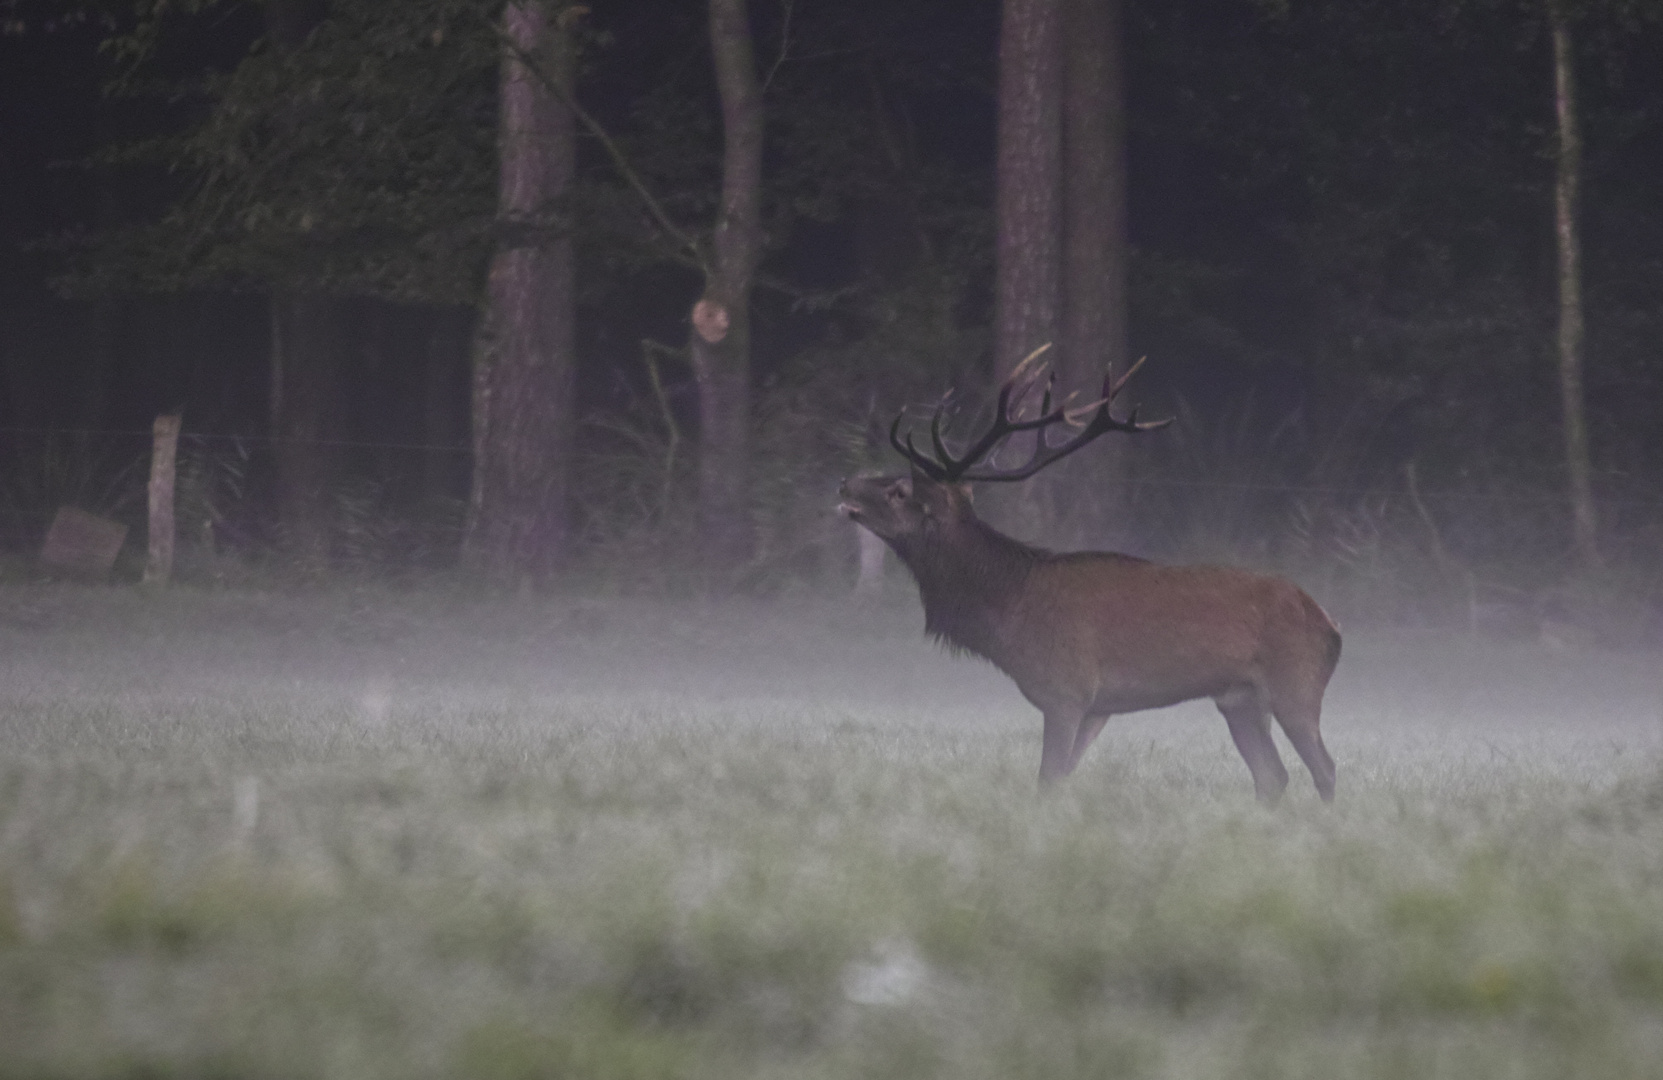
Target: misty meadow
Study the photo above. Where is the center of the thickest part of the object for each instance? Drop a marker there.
(504, 505)
(364, 835)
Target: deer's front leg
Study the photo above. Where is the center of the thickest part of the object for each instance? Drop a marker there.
(1089, 729)
(1056, 758)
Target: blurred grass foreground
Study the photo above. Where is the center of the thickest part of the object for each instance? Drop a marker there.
(376, 835)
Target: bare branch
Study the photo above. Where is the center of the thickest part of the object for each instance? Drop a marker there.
(786, 7)
(620, 161)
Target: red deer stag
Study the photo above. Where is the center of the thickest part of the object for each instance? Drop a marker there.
(1089, 634)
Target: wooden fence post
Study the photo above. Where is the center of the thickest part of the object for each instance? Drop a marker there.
(158, 568)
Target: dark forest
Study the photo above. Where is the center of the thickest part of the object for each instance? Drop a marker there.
(1409, 365)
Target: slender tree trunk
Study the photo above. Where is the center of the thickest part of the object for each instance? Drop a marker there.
(1085, 494)
(1584, 521)
(307, 414)
(1028, 180)
(891, 239)
(307, 407)
(443, 389)
(523, 401)
(720, 342)
(109, 316)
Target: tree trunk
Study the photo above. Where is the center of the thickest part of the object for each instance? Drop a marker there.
(1028, 222)
(523, 400)
(720, 342)
(1584, 522)
(1086, 493)
(1093, 334)
(443, 388)
(307, 409)
(1029, 193)
(307, 413)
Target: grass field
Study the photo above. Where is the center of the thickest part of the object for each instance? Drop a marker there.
(362, 835)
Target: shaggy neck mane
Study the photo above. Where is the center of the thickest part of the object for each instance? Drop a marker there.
(967, 573)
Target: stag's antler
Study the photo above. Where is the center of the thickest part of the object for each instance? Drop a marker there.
(1095, 417)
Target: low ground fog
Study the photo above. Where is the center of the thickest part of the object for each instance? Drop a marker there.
(371, 834)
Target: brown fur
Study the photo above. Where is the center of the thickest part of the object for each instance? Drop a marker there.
(1089, 634)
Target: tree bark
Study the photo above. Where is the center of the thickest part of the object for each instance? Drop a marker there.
(720, 341)
(1027, 246)
(1028, 199)
(1093, 334)
(1578, 461)
(307, 417)
(1084, 496)
(523, 387)
(308, 412)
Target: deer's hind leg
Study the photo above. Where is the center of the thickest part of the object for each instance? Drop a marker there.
(1301, 722)
(1249, 721)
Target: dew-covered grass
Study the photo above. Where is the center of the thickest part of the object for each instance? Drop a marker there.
(391, 836)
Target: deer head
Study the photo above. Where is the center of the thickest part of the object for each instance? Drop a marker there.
(937, 492)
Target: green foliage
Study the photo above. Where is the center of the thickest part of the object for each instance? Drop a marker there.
(362, 162)
(592, 1044)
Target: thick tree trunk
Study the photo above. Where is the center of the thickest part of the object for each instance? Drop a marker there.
(720, 342)
(1027, 223)
(1584, 521)
(1085, 494)
(1094, 259)
(1029, 192)
(307, 417)
(523, 401)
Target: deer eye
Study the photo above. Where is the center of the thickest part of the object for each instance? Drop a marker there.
(899, 492)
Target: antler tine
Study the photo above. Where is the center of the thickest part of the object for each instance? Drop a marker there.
(936, 440)
(1021, 370)
(930, 468)
(1101, 420)
(1112, 385)
(910, 452)
(1096, 418)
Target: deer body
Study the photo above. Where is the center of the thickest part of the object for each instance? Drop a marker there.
(1086, 635)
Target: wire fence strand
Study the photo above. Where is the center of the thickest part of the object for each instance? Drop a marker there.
(1328, 490)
